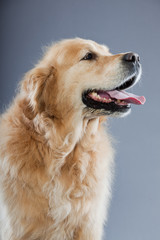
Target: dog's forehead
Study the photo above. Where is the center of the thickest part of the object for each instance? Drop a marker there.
(75, 49)
(100, 48)
(80, 46)
(69, 51)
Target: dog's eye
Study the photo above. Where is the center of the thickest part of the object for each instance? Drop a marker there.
(88, 56)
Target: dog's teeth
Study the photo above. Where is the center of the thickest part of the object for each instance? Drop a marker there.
(98, 97)
(94, 93)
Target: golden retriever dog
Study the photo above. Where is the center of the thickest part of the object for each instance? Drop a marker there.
(56, 158)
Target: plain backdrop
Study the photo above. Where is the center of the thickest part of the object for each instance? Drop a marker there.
(28, 25)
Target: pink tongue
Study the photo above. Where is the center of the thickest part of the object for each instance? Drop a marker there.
(127, 97)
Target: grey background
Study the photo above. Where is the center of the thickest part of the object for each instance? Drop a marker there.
(123, 25)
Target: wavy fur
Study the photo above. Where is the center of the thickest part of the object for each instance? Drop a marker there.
(55, 163)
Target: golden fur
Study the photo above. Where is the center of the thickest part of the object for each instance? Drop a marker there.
(55, 156)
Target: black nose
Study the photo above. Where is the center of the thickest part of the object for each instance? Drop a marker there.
(131, 57)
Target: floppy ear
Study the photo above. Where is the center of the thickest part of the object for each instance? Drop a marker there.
(33, 85)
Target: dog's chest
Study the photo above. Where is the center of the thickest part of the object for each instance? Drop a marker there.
(75, 190)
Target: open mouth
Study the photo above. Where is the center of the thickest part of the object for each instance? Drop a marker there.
(116, 100)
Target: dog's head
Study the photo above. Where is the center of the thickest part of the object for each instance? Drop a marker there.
(81, 75)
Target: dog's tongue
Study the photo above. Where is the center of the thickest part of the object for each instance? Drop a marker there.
(127, 97)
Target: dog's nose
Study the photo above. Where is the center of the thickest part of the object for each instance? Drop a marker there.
(131, 57)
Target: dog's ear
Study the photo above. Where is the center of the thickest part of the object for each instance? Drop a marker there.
(33, 85)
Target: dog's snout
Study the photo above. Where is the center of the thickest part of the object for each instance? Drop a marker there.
(131, 57)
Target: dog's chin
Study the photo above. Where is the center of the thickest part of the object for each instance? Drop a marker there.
(88, 113)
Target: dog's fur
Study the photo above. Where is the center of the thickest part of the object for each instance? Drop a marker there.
(55, 155)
